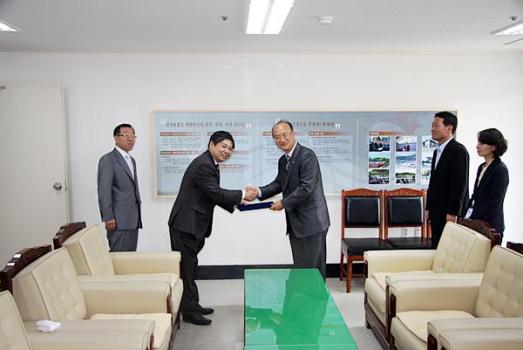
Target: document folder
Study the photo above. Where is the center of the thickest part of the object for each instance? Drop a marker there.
(254, 206)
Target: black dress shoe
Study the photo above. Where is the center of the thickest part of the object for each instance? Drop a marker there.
(205, 310)
(196, 319)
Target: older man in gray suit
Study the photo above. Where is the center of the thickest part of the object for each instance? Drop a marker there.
(118, 193)
(306, 213)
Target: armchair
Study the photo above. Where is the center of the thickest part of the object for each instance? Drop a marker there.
(461, 250)
(360, 208)
(94, 262)
(94, 315)
(472, 307)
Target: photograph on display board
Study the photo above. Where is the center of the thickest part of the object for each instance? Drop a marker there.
(405, 160)
(378, 176)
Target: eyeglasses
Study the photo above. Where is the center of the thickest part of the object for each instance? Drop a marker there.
(284, 135)
(128, 136)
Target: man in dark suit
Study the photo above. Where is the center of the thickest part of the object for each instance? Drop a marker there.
(191, 217)
(306, 213)
(118, 193)
(447, 194)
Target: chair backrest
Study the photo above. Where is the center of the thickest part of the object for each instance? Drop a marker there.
(12, 331)
(66, 231)
(48, 289)
(501, 290)
(405, 207)
(90, 252)
(361, 208)
(461, 249)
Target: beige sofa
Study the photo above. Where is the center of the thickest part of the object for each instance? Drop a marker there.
(456, 309)
(90, 312)
(461, 253)
(77, 335)
(93, 261)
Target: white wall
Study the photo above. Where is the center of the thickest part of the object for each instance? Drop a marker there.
(103, 90)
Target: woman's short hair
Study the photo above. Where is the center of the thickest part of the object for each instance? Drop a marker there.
(493, 137)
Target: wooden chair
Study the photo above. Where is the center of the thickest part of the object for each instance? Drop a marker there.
(405, 207)
(360, 208)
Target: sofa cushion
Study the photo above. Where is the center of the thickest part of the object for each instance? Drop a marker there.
(162, 325)
(461, 250)
(49, 289)
(416, 321)
(501, 290)
(93, 334)
(12, 333)
(90, 252)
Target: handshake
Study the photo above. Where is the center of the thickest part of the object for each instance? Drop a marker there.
(251, 193)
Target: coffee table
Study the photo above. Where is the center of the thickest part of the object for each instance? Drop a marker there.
(291, 309)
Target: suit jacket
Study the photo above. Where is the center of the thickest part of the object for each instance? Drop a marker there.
(118, 193)
(448, 186)
(303, 198)
(199, 193)
(489, 195)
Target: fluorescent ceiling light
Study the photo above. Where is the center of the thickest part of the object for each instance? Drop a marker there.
(267, 16)
(5, 27)
(516, 28)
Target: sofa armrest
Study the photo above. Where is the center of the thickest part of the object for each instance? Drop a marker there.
(425, 295)
(93, 335)
(126, 297)
(146, 262)
(482, 339)
(398, 260)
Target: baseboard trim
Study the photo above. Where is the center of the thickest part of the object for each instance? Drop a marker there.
(226, 272)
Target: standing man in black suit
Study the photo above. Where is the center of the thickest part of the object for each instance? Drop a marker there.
(447, 194)
(191, 217)
(306, 213)
(118, 193)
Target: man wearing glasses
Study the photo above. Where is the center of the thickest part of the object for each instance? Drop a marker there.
(118, 194)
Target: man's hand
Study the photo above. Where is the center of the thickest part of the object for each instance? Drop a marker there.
(250, 193)
(452, 218)
(278, 205)
(110, 225)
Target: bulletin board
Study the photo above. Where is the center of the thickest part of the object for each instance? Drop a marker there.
(354, 149)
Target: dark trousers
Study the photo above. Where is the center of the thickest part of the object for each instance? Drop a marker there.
(309, 252)
(437, 230)
(123, 240)
(189, 246)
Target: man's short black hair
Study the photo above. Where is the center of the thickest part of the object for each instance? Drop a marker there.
(116, 131)
(448, 119)
(493, 137)
(219, 136)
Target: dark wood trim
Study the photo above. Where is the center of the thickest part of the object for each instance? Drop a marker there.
(517, 247)
(432, 343)
(67, 231)
(482, 227)
(18, 262)
(373, 322)
(227, 272)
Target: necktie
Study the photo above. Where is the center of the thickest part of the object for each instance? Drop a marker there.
(288, 160)
(218, 170)
(438, 156)
(129, 164)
